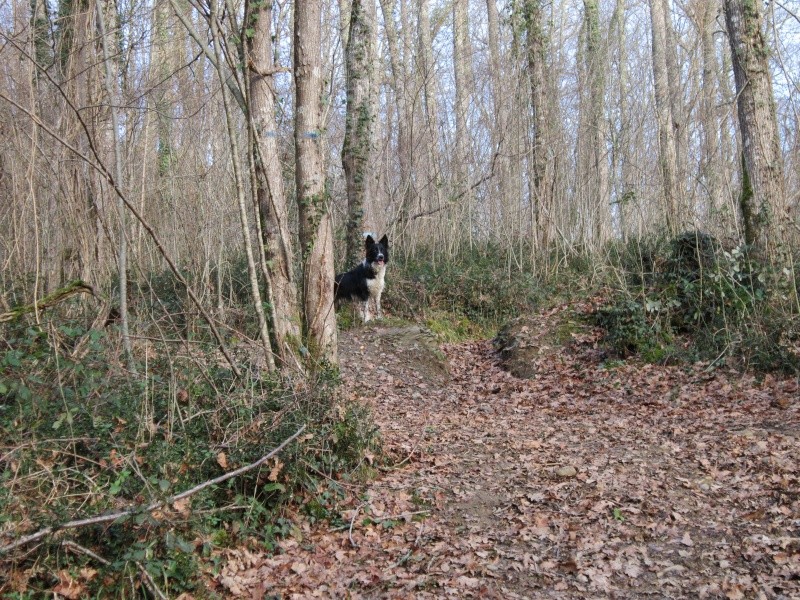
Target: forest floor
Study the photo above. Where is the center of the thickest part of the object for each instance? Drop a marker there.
(592, 479)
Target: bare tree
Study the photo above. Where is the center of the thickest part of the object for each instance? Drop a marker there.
(269, 184)
(356, 149)
(122, 256)
(316, 232)
(461, 57)
(591, 140)
(762, 199)
(668, 158)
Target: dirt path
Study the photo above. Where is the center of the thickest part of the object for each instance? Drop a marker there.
(585, 482)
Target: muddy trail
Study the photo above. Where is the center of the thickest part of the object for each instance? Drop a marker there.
(591, 479)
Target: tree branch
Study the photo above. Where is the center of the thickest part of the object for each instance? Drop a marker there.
(110, 517)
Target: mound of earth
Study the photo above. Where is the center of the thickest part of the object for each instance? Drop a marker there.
(531, 342)
(408, 355)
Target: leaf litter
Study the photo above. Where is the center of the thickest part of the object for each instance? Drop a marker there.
(589, 480)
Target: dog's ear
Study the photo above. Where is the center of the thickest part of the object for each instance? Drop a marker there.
(385, 241)
(369, 241)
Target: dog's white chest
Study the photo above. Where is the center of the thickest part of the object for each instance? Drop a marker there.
(375, 286)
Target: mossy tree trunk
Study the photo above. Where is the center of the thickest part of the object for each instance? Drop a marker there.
(764, 203)
(316, 233)
(356, 150)
(591, 151)
(537, 63)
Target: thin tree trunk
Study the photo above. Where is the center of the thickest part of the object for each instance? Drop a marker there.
(677, 110)
(711, 166)
(399, 87)
(427, 70)
(111, 91)
(316, 233)
(499, 125)
(595, 176)
(461, 58)
(258, 305)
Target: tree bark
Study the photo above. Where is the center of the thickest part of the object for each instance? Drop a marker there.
(595, 171)
(359, 119)
(461, 58)
(270, 189)
(537, 63)
(711, 165)
(763, 205)
(316, 233)
(668, 159)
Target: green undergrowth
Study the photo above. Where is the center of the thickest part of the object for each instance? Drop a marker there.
(81, 436)
(695, 297)
(466, 297)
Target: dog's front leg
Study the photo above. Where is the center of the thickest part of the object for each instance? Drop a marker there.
(378, 310)
(365, 311)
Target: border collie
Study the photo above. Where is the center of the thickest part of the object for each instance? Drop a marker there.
(366, 281)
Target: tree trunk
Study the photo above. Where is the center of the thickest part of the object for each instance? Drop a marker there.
(677, 110)
(270, 189)
(356, 149)
(711, 165)
(499, 125)
(461, 58)
(427, 71)
(668, 159)
(122, 256)
(537, 63)
(763, 205)
(399, 87)
(316, 233)
(252, 272)
(591, 142)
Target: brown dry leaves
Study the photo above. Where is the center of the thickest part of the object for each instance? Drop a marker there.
(583, 482)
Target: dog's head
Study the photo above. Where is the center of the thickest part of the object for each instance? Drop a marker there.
(377, 252)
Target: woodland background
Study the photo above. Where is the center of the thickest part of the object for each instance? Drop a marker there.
(189, 174)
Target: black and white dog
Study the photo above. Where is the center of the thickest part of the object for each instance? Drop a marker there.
(366, 281)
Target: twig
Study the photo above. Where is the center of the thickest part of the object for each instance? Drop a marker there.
(403, 560)
(150, 583)
(382, 519)
(352, 521)
(75, 547)
(150, 507)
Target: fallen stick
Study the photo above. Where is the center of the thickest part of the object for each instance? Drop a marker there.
(68, 291)
(150, 507)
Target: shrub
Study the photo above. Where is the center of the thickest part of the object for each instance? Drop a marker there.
(476, 285)
(720, 298)
(629, 331)
(83, 437)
